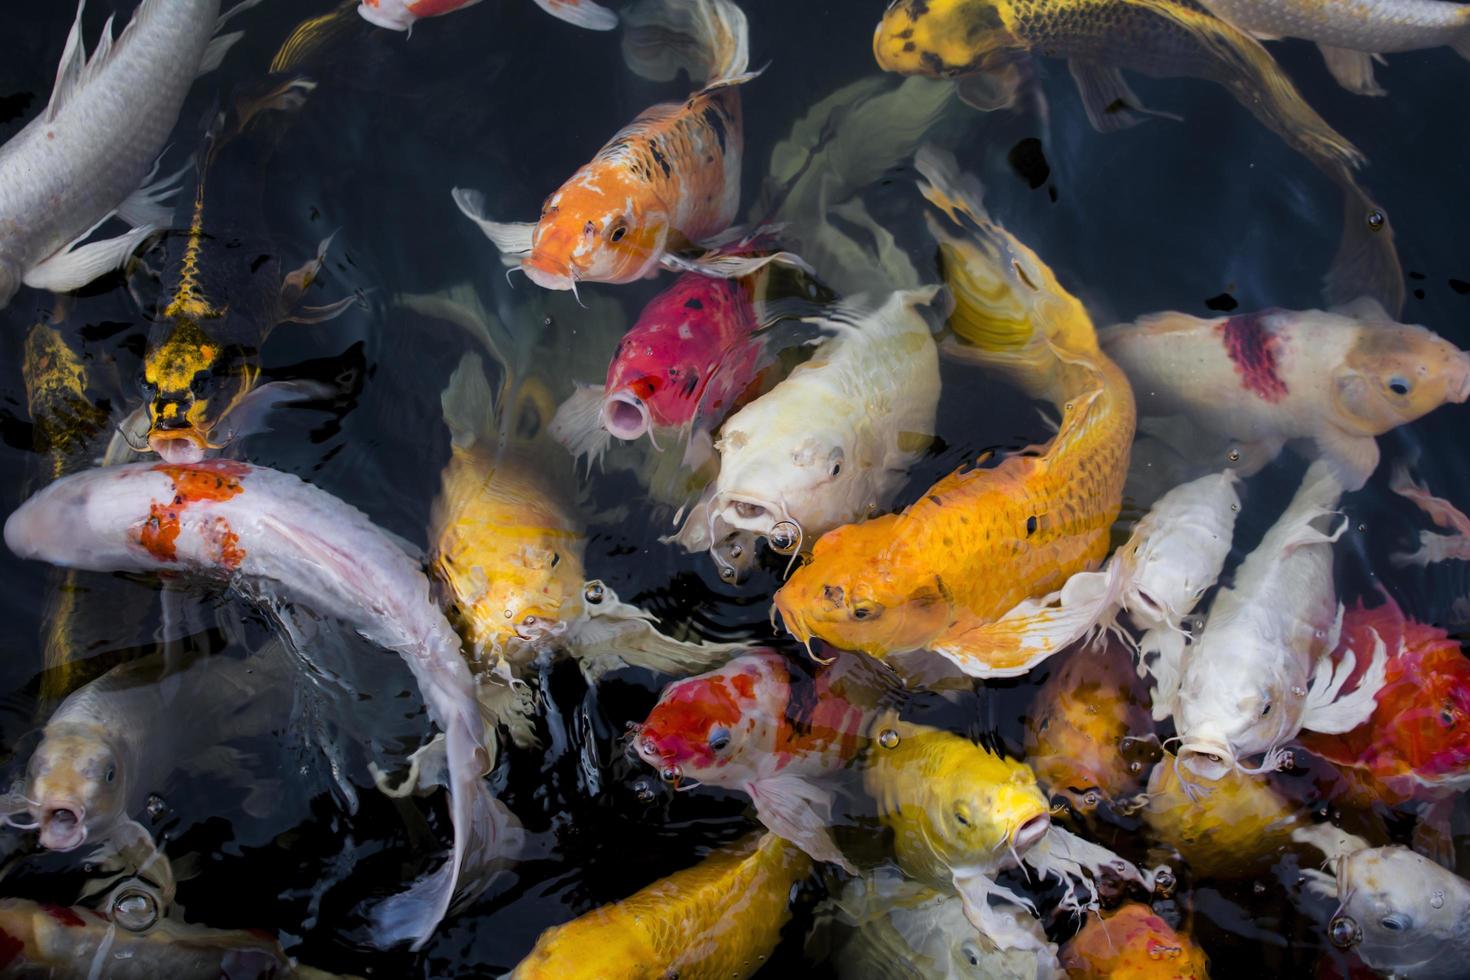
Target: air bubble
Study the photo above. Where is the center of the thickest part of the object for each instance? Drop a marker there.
(785, 536)
(671, 774)
(1233, 455)
(643, 790)
(1298, 691)
(1344, 932)
(1376, 220)
(135, 910)
(888, 738)
(156, 806)
(1259, 888)
(594, 592)
(1437, 899)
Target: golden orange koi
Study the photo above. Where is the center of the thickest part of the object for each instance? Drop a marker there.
(1131, 941)
(720, 918)
(942, 573)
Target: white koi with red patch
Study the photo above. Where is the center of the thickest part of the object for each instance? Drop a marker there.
(400, 15)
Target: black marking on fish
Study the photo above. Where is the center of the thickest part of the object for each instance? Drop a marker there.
(981, 19)
(801, 702)
(715, 119)
(1031, 523)
(259, 261)
(694, 303)
(659, 158)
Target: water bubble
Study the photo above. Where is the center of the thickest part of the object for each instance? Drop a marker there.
(888, 738)
(1376, 220)
(1135, 767)
(1298, 691)
(727, 573)
(135, 910)
(508, 614)
(1287, 763)
(1091, 801)
(1437, 899)
(643, 790)
(1164, 881)
(736, 551)
(1259, 888)
(1344, 932)
(156, 806)
(1233, 455)
(1362, 528)
(671, 774)
(784, 537)
(594, 592)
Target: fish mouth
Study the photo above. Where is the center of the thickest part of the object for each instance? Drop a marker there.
(1207, 759)
(747, 512)
(1029, 834)
(61, 826)
(625, 416)
(186, 446)
(547, 275)
(371, 12)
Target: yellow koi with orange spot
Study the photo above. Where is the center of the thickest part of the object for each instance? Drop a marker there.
(943, 574)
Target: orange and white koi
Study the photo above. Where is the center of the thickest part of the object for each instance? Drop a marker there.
(1131, 941)
(401, 15)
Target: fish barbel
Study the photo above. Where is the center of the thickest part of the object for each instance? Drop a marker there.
(719, 919)
(276, 537)
(85, 156)
(941, 574)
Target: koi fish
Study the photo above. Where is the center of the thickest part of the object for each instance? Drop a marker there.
(1131, 941)
(1351, 36)
(988, 45)
(1257, 675)
(274, 538)
(1089, 738)
(833, 441)
(901, 928)
(1401, 913)
(941, 574)
(1433, 547)
(106, 123)
(666, 182)
(961, 814)
(1413, 744)
(132, 943)
(201, 372)
(720, 918)
(1338, 379)
(761, 726)
(401, 15)
(690, 355)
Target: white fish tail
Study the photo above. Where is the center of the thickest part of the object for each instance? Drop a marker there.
(577, 424)
(580, 13)
(512, 239)
(708, 39)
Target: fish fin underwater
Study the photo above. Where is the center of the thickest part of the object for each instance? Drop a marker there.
(617, 634)
(795, 809)
(1110, 104)
(581, 13)
(1353, 69)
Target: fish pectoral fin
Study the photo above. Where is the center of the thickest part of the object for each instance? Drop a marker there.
(1332, 841)
(975, 890)
(428, 769)
(1351, 458)
(1161, 656)
(721, 265)
(794, 808)
(77, 265)
(580, 13)
(1331, 712)
(251, 414)
(512, 239)
(1073, 861)
(991, 91)
(1322, 884)
(509, 705)
(1110, 104)
(616, 634)
(152, 203)
(577, 424)
(1034, 630)
(1352, 69)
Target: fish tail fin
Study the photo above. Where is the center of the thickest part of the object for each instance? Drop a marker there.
(577, 423)
(580, 13)
(468, 403)
(314, 35)
(708, 39)
(1367, 261)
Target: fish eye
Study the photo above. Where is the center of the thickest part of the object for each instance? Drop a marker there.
(618, 233)
(1265, 709)
(836, 468)
(1399, 385)
(148, 388)
(111, 773)
(719, 739)
(1396, 922)
(970, 952)
(199, 384)
(959, 815)
(1447, 716)
(866, 610)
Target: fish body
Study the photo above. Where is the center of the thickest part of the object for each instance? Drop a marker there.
(1088, 733)
(56, 941)
(689, 357)
(401, 15)
(1351, 33)
(85, 157)
(1416, 742)
(1263, 379)
(1131, 941)
(718, 919)
(987, 46)
(941, 574)
(903, 930)
(1251, 682)
(1233, 827)
(1403, 915)
(833, 441)
(275, 537)
(667, 180)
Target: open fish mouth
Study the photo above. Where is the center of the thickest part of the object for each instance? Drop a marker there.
(1207, 759)
(180, 446)
(625, 416)
(748, 512)
(1029, 834)
(61, 826)
(547, 277)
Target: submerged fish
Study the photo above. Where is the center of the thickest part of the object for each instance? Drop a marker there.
(275, 538)
(720, 918)
(1400, 912)
(84, 158)
(833, 441)
(988, 46)
(1351, 36)
(1131, 941)
(666, 182)
(761, 726)
(941, 574)
(1088, 734)
(1262, 379)
(960, 814)
(689, 357)
(225, 291)
(899, 929)
(133, 942)
(1258, 674)
(1433, 547)
(401, 15)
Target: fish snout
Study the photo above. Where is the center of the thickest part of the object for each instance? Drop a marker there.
(1029, 834)
(181, 446)
(625, 416)
(1207, 759)
(61, 826)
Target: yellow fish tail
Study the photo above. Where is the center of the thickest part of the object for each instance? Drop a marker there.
(313, 35)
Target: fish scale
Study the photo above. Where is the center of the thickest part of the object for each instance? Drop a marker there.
(1362, 25)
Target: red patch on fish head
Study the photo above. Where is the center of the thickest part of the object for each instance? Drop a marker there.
(213, 480)
(1254, 350)
(677, 732)
(64, 915)
(433, 8)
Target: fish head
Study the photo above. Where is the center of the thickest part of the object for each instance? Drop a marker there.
(1395, 373)
(861, 592)
(946, 38)
(986, 807)
(513, 592)
(74, 786)
(1232, 710)
(588, 234)
(1402, 904)
(191, 382)
(710, 728)
(764, 485)
(395, 15)
(1423, 718)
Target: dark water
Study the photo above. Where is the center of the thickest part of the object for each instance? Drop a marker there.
(1190, 215)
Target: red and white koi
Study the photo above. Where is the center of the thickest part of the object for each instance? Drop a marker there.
(401, 15)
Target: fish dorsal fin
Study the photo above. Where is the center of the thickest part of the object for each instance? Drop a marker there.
(1364, 308)
(73, 65)
(468, 403)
